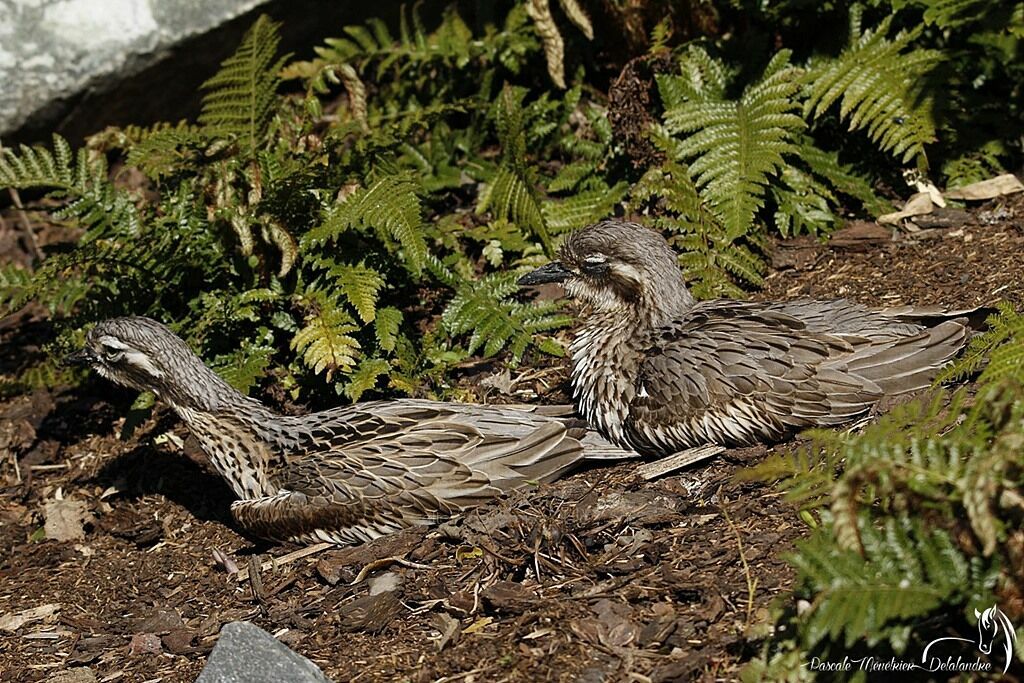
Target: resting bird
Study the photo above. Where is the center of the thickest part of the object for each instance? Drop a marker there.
(349, 474)
(656, 371)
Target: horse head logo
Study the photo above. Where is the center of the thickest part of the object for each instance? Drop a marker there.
(993, 625)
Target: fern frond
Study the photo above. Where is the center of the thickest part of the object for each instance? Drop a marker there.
(482, 310)
(582, 208)
(324, 343)
(165, 149)
(14, 283)
(906, 572)
(803, 205)
(79, 180)
(359, 284)
(386, 327)
(365, 377)
(950, 14)
(390, 207)
(571, 175)
(709, 254)
(826, 165)
(1005, 324)
(876, 82)
(244, 368)
(510, 194)
(240, 99)
(735, 145)
(38, 167)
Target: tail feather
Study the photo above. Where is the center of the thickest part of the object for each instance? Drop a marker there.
(911, 363)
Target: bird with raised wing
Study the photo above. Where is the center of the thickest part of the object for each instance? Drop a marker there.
(656, 371)
(348, 474)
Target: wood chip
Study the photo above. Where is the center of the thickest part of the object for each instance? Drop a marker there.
(447, 626)
(678, 461)
(243, 573)
(12, 622)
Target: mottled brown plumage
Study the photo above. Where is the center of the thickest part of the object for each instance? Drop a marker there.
(656, 371)
(352, 473)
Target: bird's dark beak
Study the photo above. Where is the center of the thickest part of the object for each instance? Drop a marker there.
(552, 272)
(80, 357)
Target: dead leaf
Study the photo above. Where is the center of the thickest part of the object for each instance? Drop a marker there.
(478, 625)
(926, 186)
(917, 205)
(988, 189)
(12, 622)
(499, 381)
(65, 519)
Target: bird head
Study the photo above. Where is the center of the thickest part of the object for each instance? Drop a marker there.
(618, 266)
(144, 354)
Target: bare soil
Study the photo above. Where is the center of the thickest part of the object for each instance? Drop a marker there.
(598, 577)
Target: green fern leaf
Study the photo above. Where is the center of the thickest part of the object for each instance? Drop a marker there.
(481, 309)
(390, 207)
(165, 149)
(365, 377)
(1002, 326)
(858, 597)
(877, 84)
(245, 367)
(571, 175)
(37, 167)
(510, 194)
(583, 208)
(736, 145)
(710, 254)
(827, 165)
(360, 285)
(386, 328)
(324, 343)
(240, 99)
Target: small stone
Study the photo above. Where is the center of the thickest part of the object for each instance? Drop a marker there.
(79, 674)
(145, 644)
(178, 641)
(161, 620)
(245, 653)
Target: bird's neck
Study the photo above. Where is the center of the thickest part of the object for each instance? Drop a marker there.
(245, 441)
(606, 356)
(604, 362)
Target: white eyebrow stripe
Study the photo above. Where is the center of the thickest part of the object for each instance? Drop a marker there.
(113, 343)
(595, 258)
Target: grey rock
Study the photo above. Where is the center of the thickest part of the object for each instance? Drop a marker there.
(53, 49)
(245, 653)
